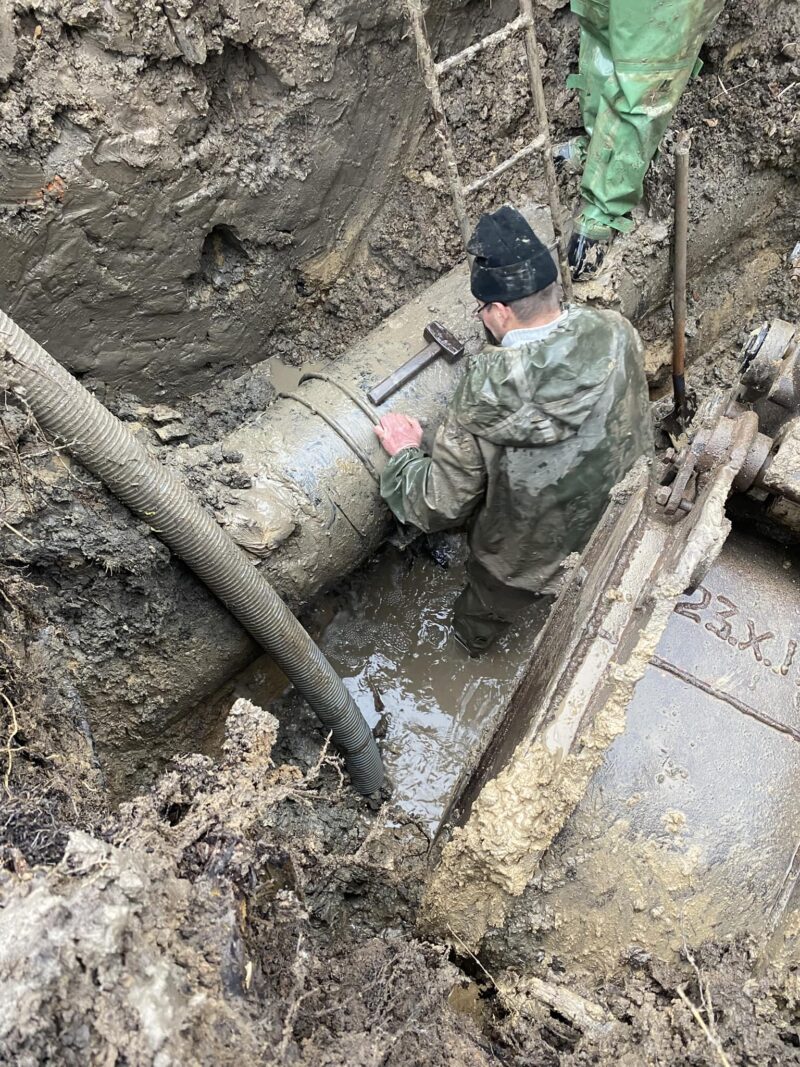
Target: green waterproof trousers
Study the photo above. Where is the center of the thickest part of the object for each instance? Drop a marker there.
(635, 59)
(486, 608)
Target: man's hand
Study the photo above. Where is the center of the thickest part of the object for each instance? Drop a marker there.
(396, 432)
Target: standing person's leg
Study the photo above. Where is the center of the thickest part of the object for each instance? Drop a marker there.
(594, 66)
(654, 46)
(486, 608)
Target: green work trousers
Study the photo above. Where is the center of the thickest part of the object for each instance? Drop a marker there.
(486, 607)
(635, 59)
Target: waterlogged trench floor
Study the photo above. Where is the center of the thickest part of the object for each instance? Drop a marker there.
(388, 634)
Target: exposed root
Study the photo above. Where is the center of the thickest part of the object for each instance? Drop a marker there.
(16, 532)
(299, 975)
(326, 758)
(712, 1038)
(12, 733)
(707, 1005)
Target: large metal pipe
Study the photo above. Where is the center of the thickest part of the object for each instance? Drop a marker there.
(314, 461)
(311, 514)
(110, 451)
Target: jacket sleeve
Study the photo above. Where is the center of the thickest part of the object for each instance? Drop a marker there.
(437, 491)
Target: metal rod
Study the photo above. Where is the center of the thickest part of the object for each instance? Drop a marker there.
(537, 94)
(679, 291)
(351, 394)
(536, 145)
(428, 66)
(519, 23)
(338, 430)
(404, 374)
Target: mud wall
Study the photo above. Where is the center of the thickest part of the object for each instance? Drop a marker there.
(163, 167)
(188, 187)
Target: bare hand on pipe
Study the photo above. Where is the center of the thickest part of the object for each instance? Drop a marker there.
(396, 432)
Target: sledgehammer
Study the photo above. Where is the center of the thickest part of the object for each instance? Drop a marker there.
(440, 343)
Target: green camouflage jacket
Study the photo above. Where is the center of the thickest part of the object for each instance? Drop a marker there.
(533, 440)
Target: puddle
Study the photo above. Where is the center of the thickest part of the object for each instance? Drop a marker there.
(387, 633)
(286, 378)
(391, 642)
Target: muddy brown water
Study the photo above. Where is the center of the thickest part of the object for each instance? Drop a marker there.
(388, 634)
(286, 378)
(392, 643)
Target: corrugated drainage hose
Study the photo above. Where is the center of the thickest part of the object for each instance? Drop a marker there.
(106, 448)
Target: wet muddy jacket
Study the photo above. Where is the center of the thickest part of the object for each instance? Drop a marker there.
(533, 440)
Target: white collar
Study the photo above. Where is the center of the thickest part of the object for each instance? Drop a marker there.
(514, 338)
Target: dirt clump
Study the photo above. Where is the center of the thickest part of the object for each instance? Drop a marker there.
(50, 776)
(93, 568)
(223, 212)
(225, 915)
(729, 1012)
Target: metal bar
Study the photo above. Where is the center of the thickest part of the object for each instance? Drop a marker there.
(337, 429)
(536, 145)
(537, 94)
(351, 394)
(428, 66)
(404, 374)
(679, 283)
(519, 23)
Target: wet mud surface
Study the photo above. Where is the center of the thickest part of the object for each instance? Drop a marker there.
(388, 635)
(246, 904)
(681, 837)
(244, 907)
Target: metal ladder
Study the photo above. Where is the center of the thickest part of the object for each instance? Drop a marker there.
(432, 71)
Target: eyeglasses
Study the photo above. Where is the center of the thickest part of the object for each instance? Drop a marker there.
(481, 307)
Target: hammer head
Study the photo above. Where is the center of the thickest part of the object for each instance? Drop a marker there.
(451, 348)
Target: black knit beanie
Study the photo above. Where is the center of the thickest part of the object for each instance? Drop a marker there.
(510, 260)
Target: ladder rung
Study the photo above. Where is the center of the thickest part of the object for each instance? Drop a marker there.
(519, 23)
(536, 145)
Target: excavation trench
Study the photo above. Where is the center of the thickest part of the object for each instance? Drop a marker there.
(297, 489)
(387, 629)
(244, 898)
(643, 821)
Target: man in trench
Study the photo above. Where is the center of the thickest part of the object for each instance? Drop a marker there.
(546, 419)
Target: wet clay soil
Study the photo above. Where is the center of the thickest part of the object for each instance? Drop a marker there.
(243, 907)
(248, 905)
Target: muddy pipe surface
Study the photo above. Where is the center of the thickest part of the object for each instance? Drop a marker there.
(304, 505)
(101, 442)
